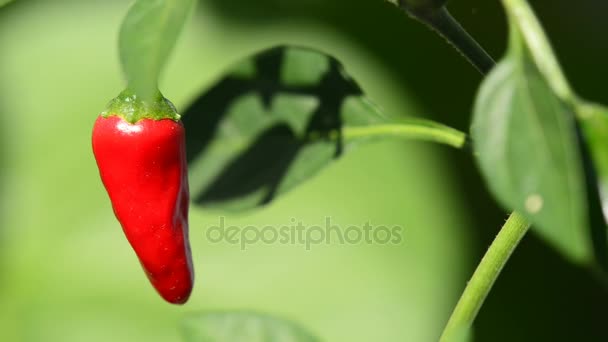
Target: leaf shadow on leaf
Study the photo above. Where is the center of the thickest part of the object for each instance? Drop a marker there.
(262, 166)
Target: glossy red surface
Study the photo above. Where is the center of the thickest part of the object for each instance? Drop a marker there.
(143, 167)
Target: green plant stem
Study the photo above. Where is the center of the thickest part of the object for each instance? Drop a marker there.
(516, 226)
(484, 277)
(442, 22)
(442, 135)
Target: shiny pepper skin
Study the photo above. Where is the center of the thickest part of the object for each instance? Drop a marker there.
(143, 168)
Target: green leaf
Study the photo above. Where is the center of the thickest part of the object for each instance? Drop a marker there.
(530, 147)
(276, 120)
(527, 146)
(147, 36)
(594, 123)
(241, 327)
(591, 118)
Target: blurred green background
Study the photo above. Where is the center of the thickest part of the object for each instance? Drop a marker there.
(68, 274)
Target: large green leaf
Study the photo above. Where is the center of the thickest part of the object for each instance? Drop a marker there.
(242, 327)
(594, 122)
(277, 119)
(528, 146)
(592, 118)
(147, 36)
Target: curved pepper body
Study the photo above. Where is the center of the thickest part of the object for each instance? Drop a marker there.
(143, 168)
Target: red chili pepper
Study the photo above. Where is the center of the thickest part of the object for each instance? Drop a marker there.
(143, 168)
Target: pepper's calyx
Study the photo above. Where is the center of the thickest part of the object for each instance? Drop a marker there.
(133, 108)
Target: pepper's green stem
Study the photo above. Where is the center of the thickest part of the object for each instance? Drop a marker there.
(484, 277)
(442, 22)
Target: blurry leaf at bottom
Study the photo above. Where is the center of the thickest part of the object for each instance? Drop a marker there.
(241, 327)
